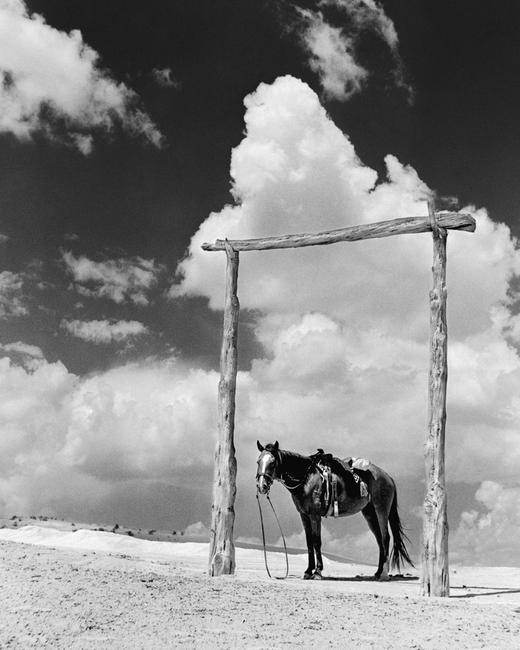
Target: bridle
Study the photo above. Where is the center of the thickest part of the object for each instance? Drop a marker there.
(270, 477)
(283, 476)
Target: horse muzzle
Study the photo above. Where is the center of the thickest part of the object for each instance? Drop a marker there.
(263, 483)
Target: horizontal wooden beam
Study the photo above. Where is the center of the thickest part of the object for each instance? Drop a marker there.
(404, 226)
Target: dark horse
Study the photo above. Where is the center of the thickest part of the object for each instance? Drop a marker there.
(301, 475)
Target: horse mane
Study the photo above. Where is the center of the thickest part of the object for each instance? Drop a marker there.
(285, 455)
(292, 455)
(291, 461)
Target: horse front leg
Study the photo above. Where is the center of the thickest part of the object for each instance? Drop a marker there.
(310, 547)
(316, 541)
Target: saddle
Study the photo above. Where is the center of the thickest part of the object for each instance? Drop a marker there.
(329, 466)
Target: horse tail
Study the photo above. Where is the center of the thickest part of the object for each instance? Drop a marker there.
(399, 551)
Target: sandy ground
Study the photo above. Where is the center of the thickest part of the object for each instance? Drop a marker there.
(59, 593)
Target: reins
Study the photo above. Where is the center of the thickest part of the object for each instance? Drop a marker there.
(282, 479)
(263, 538)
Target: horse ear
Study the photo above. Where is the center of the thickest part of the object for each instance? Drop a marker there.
(276, 446)
(260, 447)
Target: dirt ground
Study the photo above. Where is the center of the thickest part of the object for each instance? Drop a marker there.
(65, 598)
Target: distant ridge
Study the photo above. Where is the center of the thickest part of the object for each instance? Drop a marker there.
(179, 537)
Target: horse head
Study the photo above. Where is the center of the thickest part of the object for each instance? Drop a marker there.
(267, 466)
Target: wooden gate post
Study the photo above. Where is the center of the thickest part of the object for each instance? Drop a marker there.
(435, 569)
(221, 544)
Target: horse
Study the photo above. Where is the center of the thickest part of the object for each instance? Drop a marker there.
(376, 500)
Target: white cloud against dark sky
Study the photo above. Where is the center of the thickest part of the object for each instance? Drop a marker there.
(110, 312)
(53, 83)
(118, 280)
(11, 295)
(333, 49)
(104, 331)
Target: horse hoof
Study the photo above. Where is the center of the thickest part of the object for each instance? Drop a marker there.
(307, 576)
(384, 577)
(317, 576)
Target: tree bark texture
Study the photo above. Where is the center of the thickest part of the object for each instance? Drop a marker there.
(222, 547)
(435, 569)
(406, 225)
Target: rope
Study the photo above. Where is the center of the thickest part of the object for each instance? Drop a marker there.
(263, 538)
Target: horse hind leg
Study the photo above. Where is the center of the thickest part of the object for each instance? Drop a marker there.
(373, 522)
(382, 517)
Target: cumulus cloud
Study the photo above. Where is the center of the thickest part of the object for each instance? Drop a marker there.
(332, 50)
(319, 378)
(295, 171)
(12, 301)
(491, 536)
(141, 420)
(345, 327)
(104, 331)
(52, 82)
(31, 413)
(149, 421)
(121, 280)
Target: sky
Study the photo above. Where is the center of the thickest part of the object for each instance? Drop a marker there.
(130, 134)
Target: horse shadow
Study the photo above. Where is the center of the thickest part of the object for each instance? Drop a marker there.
(482, 591)
(359, 578)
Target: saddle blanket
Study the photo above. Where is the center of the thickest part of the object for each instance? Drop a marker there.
(358, 463)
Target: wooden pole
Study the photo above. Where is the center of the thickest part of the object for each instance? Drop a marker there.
(222, 547)
(435, 569)
(403, 226)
